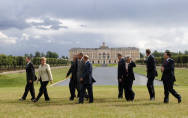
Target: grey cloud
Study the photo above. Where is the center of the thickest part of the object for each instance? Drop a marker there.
(156, 13)
(53, 23)
(59, 43)
(141, 11)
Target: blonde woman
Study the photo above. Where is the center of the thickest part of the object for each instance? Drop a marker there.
(44, 76)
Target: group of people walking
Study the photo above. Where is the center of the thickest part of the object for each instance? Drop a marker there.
(168, 76)
(44, 77)
(81, 79)
(126, 76)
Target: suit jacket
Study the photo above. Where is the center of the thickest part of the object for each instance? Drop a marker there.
(151, 67)
(122, 69)
(30, 72)
(80, 69)
(87, 74)
(130, 70)
(73, 71)
(168, 73)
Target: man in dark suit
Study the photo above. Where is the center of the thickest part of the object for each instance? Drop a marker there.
(129, 79)
(86, 81)
(121, 76)
(30, 76)
(168, 77)
(151, 73)
(73, 78)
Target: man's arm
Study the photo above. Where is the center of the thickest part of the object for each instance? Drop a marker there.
(151, 64)
(70, 70)
(169, 66)
(30, 72)
(87, 71)
(133, 64)
(120, 70)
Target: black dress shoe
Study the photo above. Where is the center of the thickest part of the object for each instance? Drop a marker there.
(32, 99)
(47, 100)
(80, 102)
(130, 100)
(71, 99)
(120, 97)
(35, 100)
(166, 102)
(90, 102)
(179, 100)
(21, 99)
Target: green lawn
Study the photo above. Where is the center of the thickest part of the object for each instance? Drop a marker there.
(19, 79)
(106, 104)
(180, 73)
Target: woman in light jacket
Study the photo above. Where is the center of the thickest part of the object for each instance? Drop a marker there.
(44, 76)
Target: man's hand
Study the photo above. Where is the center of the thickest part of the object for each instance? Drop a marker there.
(30, 81)
(81, 79)
(162, 69)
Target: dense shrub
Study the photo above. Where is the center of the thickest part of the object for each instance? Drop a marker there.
(180, 60)
(18, 62)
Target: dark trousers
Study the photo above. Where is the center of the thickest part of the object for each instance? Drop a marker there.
(89, 88)
(29, 87)
(169, 87)
(150, 86)
(129, 91)
(43, 90)
(121, 87)
(72, 88)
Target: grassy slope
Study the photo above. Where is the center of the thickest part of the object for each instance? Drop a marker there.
(180, 73)
(106, 105)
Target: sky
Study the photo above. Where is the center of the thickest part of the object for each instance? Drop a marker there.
(27, 26)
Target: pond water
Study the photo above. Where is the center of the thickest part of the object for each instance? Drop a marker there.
(108, 76)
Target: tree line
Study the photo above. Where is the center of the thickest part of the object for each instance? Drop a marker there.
(181, 59)
(9, 62)
(48, 54)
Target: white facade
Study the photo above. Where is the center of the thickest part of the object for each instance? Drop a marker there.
(106, 55)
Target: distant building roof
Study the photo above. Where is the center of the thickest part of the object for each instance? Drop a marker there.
(103, 46)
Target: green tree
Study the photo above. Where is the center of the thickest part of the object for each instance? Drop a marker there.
(141, 55)
(50, 54)
(37, 54)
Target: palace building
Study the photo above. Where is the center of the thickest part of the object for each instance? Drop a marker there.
(106, 55)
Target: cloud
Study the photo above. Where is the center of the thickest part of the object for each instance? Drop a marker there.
(4, 39)
(46, 23)
(59, 25)
(25, 36)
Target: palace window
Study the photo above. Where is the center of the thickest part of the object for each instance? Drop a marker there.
(104, 56)
(108, 56)
(99, 55)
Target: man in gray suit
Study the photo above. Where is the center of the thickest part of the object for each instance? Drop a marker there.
(80, 70)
